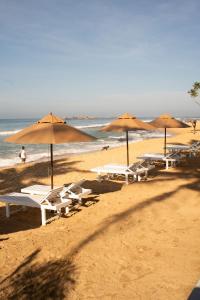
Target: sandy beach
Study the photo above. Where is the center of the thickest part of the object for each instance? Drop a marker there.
(136, 241)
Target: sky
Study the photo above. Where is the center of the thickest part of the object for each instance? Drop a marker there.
(98, 57)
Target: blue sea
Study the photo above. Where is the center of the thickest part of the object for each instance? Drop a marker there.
(9, 152)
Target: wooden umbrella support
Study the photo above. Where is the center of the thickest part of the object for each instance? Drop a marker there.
(127, 149)
(167, 121)
(165, 141)
(126, 123)
(51, 153)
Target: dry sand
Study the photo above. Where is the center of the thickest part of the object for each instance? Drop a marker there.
(139, 241)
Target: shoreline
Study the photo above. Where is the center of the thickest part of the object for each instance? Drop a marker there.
(76, 156)
(65, 156)
(58, 156)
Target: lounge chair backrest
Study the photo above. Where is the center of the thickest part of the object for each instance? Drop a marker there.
(195, 146)
(73, 189)
(135, 166)
(145, 164)
(53, 196)
(74, 184)
(173, 155)
(139, 164)
(197, 143)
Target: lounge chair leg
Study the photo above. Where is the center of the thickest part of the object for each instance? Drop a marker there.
(126, 179)
(167, 165)
(59, 212)
(43, 215)
(80, 201)
(66, 210)
(7, 210)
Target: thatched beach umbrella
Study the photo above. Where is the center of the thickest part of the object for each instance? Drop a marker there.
(49, 130)
(167, 121)
(126, 123)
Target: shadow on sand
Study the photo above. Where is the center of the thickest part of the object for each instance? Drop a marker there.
(56, 278)
(12, 179)
(31, 281)
(31, 217)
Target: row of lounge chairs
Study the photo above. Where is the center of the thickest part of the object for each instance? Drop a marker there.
(134, 172)
(170, 160)
(42, 197)
(191, 150)
(62, 198)
(139, 170)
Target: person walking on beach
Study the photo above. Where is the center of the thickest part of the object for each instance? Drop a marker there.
(194, 124)
(22, 155)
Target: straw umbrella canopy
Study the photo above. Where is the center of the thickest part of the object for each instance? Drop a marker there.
(167, 121)
(126, 123)
(49, 130)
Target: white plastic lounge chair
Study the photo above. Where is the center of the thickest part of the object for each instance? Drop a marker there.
(195, 148)
(142, 164)
(191, 149)
(170, 159)
(52, 201)
(73, 191)
(37, 189)
(136, 171)
(177, 148)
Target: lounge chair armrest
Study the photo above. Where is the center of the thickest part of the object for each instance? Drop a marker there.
(67, 201)
(86, 191)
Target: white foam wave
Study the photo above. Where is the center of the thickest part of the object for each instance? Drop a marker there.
(9, 132)
(74, 148)
(37, 153)
(147, 121)
(116, 137)
(92, 126)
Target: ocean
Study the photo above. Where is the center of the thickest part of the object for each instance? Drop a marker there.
(9, 152)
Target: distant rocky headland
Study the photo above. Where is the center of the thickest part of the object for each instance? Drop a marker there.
(80, 118)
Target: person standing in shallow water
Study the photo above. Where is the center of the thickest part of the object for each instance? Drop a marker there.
(23, 155)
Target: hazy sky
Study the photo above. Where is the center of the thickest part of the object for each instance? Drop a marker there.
(98, 57)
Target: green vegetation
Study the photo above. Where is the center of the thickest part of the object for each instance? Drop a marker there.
(194, 92)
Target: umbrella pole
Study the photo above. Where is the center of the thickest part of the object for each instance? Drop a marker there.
(127, 150)
(165, 141)
(51, 150)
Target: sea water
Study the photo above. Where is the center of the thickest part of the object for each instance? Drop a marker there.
(9, 153)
